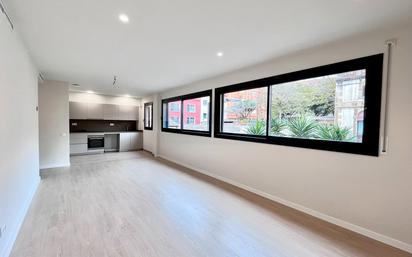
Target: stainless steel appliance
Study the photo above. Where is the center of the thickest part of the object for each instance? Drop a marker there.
(95, 142)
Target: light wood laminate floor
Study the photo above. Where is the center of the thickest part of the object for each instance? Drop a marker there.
(130, 204)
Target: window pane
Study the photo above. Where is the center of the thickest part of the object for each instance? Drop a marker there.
(196, 114)
(173, 115)
(244, 112)
(327, 108)
(148, 116)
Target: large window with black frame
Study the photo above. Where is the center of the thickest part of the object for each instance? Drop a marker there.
(188, 114)
(333, 107)
(148, 116)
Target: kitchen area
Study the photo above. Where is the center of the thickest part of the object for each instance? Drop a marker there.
(103, 126)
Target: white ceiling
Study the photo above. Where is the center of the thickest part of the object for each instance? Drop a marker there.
(172, 43)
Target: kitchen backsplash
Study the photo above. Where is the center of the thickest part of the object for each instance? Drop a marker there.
(102, 125)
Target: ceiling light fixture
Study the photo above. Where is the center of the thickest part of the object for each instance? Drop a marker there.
(126, 95)
(76, 85)
(90, 92)
(124, 18)
(219, 54)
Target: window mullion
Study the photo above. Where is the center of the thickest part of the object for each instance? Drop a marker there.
(221, 103)
(182, 108)
(268, 109)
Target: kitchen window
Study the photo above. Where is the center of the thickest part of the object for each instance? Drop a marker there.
(334, 107)
(193, 120)
(172, 120)
(148, 116)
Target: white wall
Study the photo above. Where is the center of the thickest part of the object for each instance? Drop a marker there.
(367, 194)
(150, 137)
(54, 124)
(19, 146)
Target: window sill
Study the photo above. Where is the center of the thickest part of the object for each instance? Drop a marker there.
(314, 144)
(188, 132)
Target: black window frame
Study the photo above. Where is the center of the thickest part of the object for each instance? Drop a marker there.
(372, 109)
(144, 116)
(182, 98)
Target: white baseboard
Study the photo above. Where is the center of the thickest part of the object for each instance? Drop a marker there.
(20, 218)
(358, 229)
(54, 165)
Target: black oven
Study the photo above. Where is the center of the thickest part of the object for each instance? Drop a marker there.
(95, 142)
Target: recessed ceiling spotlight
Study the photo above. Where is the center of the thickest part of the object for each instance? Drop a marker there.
(127, 95)
(124, 18)
(76, 85)
(219, 54)
(90, 92)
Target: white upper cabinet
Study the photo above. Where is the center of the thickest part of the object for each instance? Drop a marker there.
(78, 110)
(134, 113)
(127, 112)
(94, 111)
(110, 112)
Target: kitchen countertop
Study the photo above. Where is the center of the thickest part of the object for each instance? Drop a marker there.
(107, 132)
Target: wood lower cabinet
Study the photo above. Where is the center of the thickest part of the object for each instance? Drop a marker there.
(136, 141)
(130, 141)
(78, 149)
(78, 138)
(78, 143)
(124, 142)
